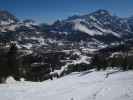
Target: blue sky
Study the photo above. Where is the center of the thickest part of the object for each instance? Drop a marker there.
(51, 10)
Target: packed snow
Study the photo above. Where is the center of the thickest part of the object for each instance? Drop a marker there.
(88, 85)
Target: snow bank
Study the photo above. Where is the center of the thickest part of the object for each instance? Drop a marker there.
(76, 86)
(10, 80)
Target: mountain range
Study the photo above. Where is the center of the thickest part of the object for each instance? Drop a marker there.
(97, 28)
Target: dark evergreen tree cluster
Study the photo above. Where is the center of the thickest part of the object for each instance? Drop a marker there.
(32, 67)
(123, 61)
(78, 67)
(99, 61)
(9, 65)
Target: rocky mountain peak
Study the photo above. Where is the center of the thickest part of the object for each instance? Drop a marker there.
(6, 17)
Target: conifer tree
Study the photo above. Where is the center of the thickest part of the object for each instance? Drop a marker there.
(12, 61)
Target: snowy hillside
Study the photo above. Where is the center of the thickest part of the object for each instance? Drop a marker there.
(76, 86)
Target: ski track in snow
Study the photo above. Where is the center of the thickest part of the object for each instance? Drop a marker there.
(76, 86)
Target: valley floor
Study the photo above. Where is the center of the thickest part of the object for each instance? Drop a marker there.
(76, 86)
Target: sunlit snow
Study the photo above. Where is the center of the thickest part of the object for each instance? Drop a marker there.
(76, 86)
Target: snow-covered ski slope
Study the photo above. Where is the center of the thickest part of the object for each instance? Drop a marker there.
(76, 86)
